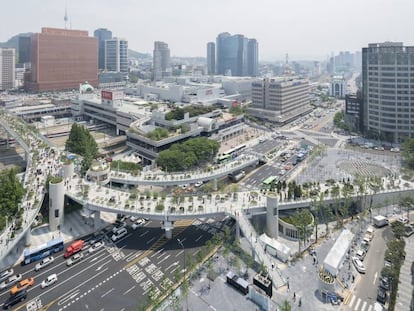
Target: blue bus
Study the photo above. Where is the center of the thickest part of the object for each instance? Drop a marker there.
(42, 251)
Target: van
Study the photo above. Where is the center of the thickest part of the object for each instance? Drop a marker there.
(119, 234)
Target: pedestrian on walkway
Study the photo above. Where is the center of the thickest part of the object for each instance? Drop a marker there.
(294, 296)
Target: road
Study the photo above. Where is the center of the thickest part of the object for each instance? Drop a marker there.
(365, 292)
(121, 275)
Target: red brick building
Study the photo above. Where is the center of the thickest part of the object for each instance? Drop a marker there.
(62, 59)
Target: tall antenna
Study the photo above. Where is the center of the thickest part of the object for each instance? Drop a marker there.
(66, 17)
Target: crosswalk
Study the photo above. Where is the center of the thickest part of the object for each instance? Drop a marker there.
(357, 304)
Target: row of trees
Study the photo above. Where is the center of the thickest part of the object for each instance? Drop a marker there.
(81, 142)
(191, 153)
(193, 110)
(11, 195)
(339, 121)
(408, 152)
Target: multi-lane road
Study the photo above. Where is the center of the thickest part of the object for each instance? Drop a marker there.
(121, 275)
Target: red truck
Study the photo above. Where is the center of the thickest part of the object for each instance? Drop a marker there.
(74, 248)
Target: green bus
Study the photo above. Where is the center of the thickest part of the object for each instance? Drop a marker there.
(223, 158)
(269, 181)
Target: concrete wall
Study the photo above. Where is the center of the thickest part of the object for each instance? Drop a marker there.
(56, 204)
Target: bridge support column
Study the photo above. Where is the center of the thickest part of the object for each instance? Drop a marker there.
(215, 184)
(27, 237)
(168, 226)
(272, 216)
(56, 204)
(97, 220)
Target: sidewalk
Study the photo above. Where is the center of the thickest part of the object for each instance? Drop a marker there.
(405, 287)
(74, 226)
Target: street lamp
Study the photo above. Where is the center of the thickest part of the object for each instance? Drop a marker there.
(182, 246)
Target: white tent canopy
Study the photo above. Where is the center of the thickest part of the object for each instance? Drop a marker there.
(338, 251)
(275, 248)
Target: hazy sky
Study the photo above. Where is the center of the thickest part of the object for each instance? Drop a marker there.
(302, 28)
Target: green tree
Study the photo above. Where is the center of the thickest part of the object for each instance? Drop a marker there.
(302, 220)
(398, 229)
(11, 195)
(285, 306)
(408, 152)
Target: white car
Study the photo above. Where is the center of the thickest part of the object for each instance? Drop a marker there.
(139, 223)
(359, 266)
(49, 280)
(404, 220)
(94, 247)
(198, 184)
(45, 262)
(11, 281)
(118, 227)
(133, 218)
(6, 273)
(360, 254)
(76, 258)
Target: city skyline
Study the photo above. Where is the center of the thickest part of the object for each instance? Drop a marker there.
(303, 29)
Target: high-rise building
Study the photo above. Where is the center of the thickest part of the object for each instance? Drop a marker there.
(62, 59)
(161, 61)
(7, 70)
(252, 58)
(234, 57)
(116, 55)
(102, 34)
(24, 49)
(387, 71)
(211, 58)
(279, 99)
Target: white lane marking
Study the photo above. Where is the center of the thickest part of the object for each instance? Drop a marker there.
(142, 234)
(375, 277)
(69, 297)
(163, 254)
(165, 258)
(352, 301)
(127, 291)
(172, 265)
(133, 256)
(179, 253)
(108, 292)
(369, 308)
(357, 305)
(157, 252)
(149, 241)
(363, 306)
(198, 239)
(101, 266)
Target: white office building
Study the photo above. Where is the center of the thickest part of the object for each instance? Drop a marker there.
(116, 55)
(7, 71)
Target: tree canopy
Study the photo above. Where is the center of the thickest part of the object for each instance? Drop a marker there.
(81, 142)
(193, 110)
(180, 157)
(408, 152)
(11, 194)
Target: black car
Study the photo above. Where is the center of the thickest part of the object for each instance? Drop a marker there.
(384, 283)
(381, 295)
(12, 300)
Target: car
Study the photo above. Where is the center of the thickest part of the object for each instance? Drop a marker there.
(119, 234)
(49, 280)
(97, 237)
(118, 227)
(11, 281)
(133, 218)
(45, 262)
(139, 223)
(404, 220)
(12, 300)
(381, 295)
(282, 172)
(359, 266)
(198, 184)
(23, 284)
(385, 283)
(360, 254)
(5, 274)
(74, 259)
(387, 263)
(94, 247)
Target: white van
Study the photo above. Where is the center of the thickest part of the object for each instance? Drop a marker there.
(119, 234)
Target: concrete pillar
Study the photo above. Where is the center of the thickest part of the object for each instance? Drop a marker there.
(168, 226)
(56, 204)
(67, 170)
(97, 220)
(215, 184)
(27, 237)
(272, 215)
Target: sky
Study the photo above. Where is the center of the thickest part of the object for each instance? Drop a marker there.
(302, 28)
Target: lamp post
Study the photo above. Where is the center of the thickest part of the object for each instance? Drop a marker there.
(185, 268)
